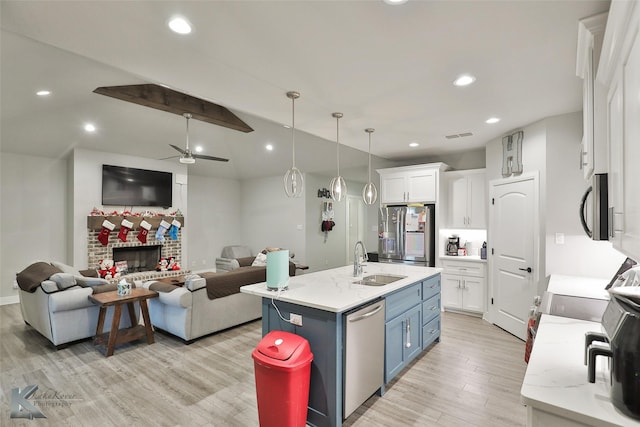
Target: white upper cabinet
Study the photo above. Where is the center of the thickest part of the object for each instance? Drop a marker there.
(619, 72)
(410, 184)
(467, 199)
(593, 151)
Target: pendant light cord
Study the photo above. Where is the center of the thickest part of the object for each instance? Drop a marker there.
(293, 129)
(369, 156)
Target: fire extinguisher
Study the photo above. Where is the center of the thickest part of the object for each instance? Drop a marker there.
(531, 324)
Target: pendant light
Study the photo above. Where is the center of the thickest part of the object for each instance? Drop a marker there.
(369, 192)
(338, 186)
(293, 178)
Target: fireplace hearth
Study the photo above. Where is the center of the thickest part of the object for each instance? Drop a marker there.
(138, 258)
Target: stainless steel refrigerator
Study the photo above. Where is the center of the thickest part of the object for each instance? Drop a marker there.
(407, 234)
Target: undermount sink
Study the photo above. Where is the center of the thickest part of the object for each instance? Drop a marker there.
(379, 279)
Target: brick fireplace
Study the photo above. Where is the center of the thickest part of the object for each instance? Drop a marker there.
(169, 248)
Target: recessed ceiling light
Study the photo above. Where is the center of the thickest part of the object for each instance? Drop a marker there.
(180, 25)
(395, 2)
(413, 144)
(492, 120)
(464, 80)
(269, 147)
(89, 127)
(43, 92)
(198, 148)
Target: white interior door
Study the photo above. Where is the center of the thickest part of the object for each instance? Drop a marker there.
(514, 245)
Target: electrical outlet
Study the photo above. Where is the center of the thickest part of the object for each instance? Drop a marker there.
(15, 284)
(559, 238)
(296, 319)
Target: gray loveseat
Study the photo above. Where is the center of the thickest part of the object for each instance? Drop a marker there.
(54, 300)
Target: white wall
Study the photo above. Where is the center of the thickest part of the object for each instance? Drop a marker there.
(579, 255)
(268, 218)
(214, 219)
(33, 220)
(551, 146)
(87, 194)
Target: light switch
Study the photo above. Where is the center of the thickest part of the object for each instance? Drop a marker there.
(559, 238)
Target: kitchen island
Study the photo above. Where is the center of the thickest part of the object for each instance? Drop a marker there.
(322, 299)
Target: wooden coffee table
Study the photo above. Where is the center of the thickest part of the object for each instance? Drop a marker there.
(120, 336)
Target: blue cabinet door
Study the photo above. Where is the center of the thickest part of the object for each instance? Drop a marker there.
(394, 348)
(403, 341)
(413, 333)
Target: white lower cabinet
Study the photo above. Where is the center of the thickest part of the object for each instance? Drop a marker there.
(464, 286)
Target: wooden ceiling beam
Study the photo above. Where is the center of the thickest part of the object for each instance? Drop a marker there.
(162, 98)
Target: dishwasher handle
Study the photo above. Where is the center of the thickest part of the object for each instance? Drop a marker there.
(364, 316)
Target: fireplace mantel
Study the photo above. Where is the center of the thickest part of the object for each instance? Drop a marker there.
(94, 222)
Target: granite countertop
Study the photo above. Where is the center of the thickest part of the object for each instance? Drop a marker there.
(556, 378)
(333, 290)
(469, 258)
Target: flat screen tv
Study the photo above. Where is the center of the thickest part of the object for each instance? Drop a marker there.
(136, 187)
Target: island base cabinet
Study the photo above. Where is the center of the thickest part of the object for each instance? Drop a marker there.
(323, 330)
(402, 341)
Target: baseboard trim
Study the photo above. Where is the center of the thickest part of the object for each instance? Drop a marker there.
(14, 299)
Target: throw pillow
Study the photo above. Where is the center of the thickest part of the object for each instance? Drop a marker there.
(260, 261)
(63, 280)
(66, 268)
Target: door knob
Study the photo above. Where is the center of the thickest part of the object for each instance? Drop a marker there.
(528, 269)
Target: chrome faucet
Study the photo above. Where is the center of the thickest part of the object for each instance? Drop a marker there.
(357, 266)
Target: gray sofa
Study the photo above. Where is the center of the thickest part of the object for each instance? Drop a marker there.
(54, 300)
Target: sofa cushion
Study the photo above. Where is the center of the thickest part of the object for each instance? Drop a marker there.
(63, 280)
(66, 268)
(29, 279)
(245, 261)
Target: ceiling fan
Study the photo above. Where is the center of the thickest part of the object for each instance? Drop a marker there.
(186, 156)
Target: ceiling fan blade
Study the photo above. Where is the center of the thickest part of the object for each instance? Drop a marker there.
(178, 149)
(202, 156)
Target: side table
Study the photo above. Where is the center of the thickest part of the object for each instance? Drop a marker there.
(121, 336)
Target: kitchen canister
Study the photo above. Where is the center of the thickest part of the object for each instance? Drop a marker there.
(124, 288)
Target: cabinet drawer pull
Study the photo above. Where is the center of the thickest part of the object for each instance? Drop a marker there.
(408, 328)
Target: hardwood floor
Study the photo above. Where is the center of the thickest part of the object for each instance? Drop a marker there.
(471, 378)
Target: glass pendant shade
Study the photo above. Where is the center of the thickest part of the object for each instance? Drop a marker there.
(338, 186)
(293, 179)
(370, 192)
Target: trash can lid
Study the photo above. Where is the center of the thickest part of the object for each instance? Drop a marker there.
(281, 345)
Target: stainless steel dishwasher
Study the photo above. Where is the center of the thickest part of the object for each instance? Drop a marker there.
(364, 354)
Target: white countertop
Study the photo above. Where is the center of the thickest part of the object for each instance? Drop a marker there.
(556, 378)
(333, 290)
(585, 287)
(470, 258)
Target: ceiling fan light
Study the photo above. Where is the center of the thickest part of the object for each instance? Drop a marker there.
(187, 160)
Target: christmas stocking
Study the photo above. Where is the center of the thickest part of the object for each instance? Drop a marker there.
(175, 227)
(125, 228)
(144, 231)
(107, 228)
(162, 228)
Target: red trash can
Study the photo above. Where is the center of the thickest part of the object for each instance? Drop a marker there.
(282, 363)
